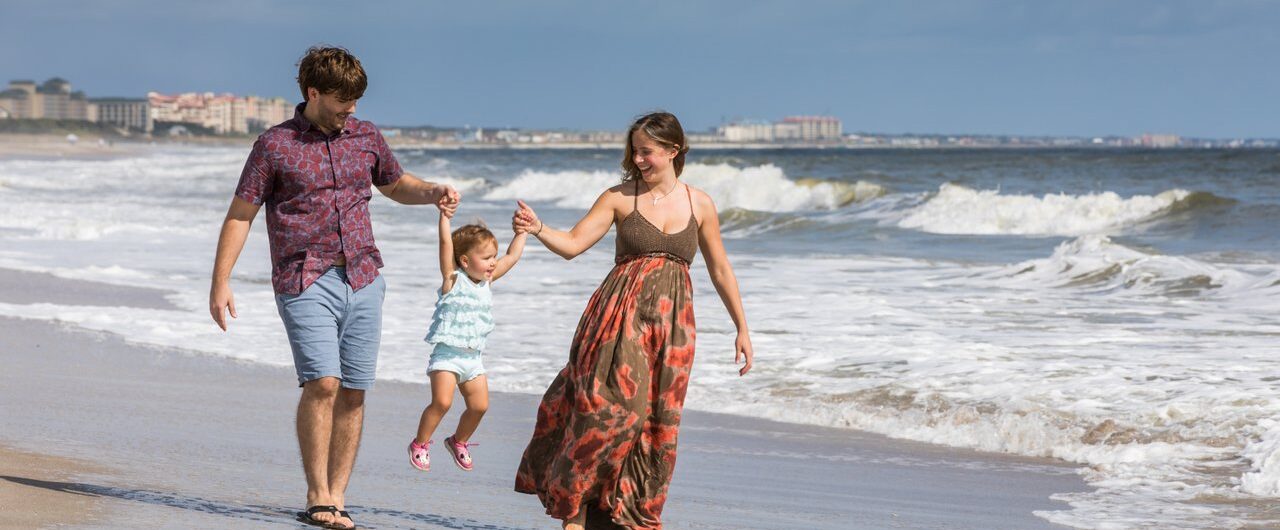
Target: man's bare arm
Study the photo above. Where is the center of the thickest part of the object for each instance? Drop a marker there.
(409, 189)
(235, 230)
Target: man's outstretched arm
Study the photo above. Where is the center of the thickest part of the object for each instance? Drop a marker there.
(409, 189)
(235, 230)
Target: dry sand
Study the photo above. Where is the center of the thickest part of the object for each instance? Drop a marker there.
(55, 146)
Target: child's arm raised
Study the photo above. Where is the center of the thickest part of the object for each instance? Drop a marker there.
(446, 253)
(514, 251)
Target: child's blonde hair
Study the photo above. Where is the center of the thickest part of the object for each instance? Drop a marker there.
(468, 237)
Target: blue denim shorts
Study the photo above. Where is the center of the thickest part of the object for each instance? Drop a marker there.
(463, 362)
(334, 331)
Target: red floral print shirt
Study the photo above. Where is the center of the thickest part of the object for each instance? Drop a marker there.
(316, 188)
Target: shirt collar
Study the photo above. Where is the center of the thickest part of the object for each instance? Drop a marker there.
(304, 125)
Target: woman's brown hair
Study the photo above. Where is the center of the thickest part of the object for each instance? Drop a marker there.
(662, 127)
(332, 69)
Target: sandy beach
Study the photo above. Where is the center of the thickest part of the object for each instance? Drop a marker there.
(57, 146)
(102, 433)
(15, 146)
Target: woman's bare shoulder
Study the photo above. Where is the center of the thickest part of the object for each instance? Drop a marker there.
(701, 199)
(617, 189)
(618, 194)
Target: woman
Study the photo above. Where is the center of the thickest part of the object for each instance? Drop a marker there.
(604, 446)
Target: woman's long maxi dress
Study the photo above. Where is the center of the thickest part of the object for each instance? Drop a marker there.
(605, 439)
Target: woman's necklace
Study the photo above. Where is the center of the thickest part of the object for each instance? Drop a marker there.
(664, 195)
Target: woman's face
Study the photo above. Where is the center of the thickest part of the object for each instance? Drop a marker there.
(652, 158)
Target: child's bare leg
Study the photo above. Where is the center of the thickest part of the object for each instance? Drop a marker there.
(476, 395)
(442, 385)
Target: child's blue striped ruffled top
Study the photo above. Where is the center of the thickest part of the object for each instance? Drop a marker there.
(464, 315)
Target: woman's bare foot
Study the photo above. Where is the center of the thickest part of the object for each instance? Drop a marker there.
(576, 522)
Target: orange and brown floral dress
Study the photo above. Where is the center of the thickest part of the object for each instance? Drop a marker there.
(605, 439)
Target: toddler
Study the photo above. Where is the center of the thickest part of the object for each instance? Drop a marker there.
(469, 264)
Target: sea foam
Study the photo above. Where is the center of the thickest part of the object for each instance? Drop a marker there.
(763, 188)
(1097, 263)
(1154, 371)
(956, 209)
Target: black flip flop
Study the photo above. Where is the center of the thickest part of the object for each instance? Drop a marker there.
(344, 513)
(307, 516)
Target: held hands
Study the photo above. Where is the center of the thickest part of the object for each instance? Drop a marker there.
(524, 220)
(742, 350)
(448, 201)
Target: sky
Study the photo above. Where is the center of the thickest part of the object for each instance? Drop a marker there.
(1040, 67)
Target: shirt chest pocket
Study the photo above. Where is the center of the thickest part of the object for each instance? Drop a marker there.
(299, 189)
(356, 168)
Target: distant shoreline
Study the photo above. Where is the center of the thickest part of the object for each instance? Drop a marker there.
(46, 146)
(432, 146)
(27, 145)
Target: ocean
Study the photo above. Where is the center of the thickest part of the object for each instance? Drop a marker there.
(1112, 308)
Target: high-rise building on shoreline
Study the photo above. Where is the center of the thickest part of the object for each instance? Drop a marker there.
(1160, 140)
(748, 131)
(790, 129)
(130, 113)
(51, 100)
(220, 113)
(815, 128)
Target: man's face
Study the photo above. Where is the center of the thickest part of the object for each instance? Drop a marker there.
(331, 111)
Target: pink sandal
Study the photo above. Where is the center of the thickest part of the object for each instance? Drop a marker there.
(418, 455)
(460, 452)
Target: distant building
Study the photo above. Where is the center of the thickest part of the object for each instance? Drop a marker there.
(1160, 140)
(9, 101)
(748, 131)
(264, 113)
(52, 100)
(221, 113)
(816, 128)
(506, 136)
(124, 112)
(787, 132)
(790, 129)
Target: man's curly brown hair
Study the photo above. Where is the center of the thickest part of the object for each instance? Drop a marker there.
(332, 69)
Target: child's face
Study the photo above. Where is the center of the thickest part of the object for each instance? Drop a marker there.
(479, 263)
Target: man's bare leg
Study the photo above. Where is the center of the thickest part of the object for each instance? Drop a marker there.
(315, 428)
(348, 423)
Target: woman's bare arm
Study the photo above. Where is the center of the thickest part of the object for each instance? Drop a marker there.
(723, 278)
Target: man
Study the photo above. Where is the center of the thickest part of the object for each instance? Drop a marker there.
(314, 174)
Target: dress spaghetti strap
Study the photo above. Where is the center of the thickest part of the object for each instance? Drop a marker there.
(690, 195)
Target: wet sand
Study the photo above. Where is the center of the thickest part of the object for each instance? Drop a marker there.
(182, 440)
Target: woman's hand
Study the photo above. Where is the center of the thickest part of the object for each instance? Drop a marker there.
(743, 350)
(524, 219)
